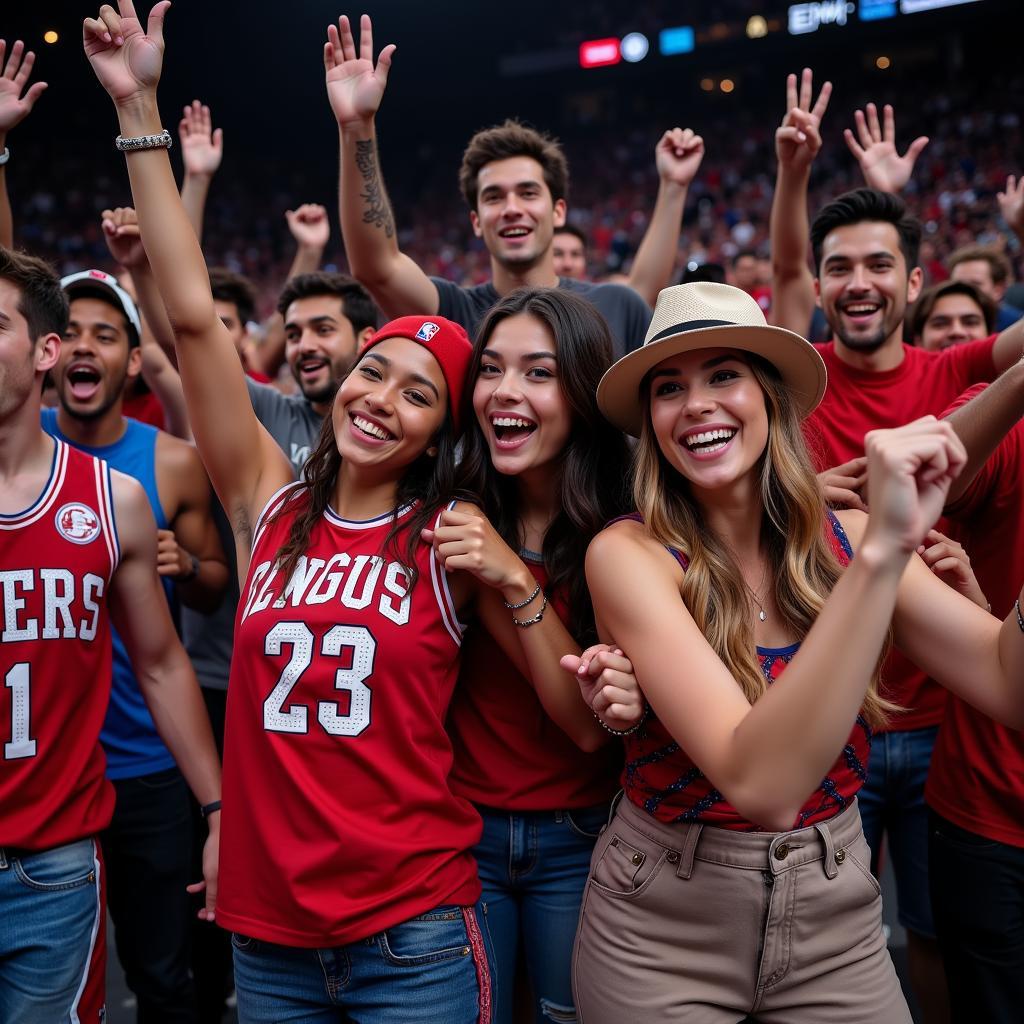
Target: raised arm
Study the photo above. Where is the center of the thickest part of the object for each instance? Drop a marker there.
(874, 148)
(140, 614)
(797, 143)
(13, 108)
(202, 150)
(311, 230)
(767, 757)
(355, 88)
(677, 157)
(245, 465)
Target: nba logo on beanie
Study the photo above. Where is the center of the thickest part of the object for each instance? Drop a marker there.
(427, 331)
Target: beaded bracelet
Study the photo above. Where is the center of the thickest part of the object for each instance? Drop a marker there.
(1020, 618)
(523, 623)
(625, 732)
(523, 604)
(131, 143)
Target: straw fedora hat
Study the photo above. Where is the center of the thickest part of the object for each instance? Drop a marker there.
(707, 315)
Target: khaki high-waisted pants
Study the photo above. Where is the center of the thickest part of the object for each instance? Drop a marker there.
(695, 924)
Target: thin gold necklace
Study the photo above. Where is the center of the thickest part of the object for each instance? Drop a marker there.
(761, 614)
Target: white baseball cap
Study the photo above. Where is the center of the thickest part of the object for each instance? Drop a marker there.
(105, 286)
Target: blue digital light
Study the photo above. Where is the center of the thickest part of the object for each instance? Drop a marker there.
(676, 40)
(876, 10)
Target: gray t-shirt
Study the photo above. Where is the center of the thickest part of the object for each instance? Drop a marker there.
(295, 426)
(627, 314)
(290, 420)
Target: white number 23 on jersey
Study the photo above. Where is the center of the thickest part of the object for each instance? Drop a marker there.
(295, 719)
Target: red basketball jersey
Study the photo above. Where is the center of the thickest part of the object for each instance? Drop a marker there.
(338, 819)
(56, 562)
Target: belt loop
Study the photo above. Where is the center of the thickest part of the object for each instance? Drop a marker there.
(831, 870)
(686, 854)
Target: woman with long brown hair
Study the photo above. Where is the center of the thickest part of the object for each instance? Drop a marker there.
(734, 879)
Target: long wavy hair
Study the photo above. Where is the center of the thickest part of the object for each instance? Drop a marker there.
(801, 562)
(592, 483)
(430, 480)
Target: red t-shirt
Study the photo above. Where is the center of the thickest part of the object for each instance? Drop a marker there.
(977, 773)
(857, 401)
(58, 558)
(338, 818)
(509, 754)
(660, 777)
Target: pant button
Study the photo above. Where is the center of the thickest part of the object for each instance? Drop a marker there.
(840, 856)
(672, 857)
(638, 858)
(781, 851)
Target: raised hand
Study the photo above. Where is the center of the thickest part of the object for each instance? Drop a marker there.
(951, 563)
(309, 226)
(354, 86)
(126, 60)
(678, 155)
(844, 485)
(202, 148)
(798, 138)
(1011, 205)
(607, 685)
(882, 166)
(13, 106)
(910, 470)
(121, 231)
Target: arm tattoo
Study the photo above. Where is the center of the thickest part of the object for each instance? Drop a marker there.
(378, 211)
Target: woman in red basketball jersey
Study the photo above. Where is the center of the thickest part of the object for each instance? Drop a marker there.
(350, 884)
(733, 879)
(550, 472)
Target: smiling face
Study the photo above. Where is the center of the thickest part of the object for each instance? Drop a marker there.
(570, 255)
(863, 284)
(96, 359)
(390, 407)
(709, 417)
(515, 215)
(517, 399)
(320, 344)
(953, 320)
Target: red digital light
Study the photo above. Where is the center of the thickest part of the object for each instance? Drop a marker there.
(599, 53)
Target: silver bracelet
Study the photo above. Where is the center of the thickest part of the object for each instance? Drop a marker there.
(127, 145)
(624, 732)
(5, 156)
(523, 623)
(523, 604)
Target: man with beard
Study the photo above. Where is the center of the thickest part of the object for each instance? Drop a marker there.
(327, 317)
(148, 846)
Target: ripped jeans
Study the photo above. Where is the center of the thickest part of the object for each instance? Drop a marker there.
(534, 866)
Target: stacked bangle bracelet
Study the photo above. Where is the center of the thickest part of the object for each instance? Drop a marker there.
(523, 604)
(625, 732)
(523, 623)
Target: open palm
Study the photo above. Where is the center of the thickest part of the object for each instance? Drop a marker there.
(126, 60)
(355, 87)
(13, 106)
(874, 148)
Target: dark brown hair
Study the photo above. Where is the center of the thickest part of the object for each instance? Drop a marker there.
(227, 286)
(867, 204)
(930, 296)
(999, 265)
(42, 301)
(356, 303)
(512, 138)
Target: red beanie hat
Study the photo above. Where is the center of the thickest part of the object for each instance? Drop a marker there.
(446, 341)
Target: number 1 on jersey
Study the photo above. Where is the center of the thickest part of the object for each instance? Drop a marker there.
(17, 681)
(296, 719)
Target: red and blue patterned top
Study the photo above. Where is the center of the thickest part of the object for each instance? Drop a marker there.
(662, 780)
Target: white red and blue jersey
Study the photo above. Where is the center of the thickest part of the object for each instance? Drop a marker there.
(57, 558)
(338, 819)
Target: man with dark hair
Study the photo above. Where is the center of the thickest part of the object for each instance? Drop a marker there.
(951, 313)
(148, 845)
(327, 317)
(234, 298)
(569, 249)
(988, 269)
(78, 547)
(514, 180)
(745, 271)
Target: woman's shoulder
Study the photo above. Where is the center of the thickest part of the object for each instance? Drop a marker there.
(852, 522)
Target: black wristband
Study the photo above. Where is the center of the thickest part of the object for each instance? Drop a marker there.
(207, 809)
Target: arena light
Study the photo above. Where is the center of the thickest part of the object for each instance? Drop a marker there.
(876, 10)
(882, 63)
(757, 27)
(727, 85)
(599, 53)
(634, 47)
(672, 41)
(50, 37)
(707, 84)
(804, 18)
(917, 6)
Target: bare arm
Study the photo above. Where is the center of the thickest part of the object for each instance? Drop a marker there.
(245, 465)
(1009, 346)
(140, 614)
(355, 88)
(797, 143)
(874, 148)
(677, 157)
(13, 108)
(202, 150)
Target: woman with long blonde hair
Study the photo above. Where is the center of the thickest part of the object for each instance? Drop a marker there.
(734, 878)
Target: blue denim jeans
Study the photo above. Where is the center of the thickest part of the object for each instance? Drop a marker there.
(432, 969)
(533, 867)
(49, 914)
(892, 804)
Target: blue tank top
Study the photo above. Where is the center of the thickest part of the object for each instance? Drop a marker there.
(129, 736)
